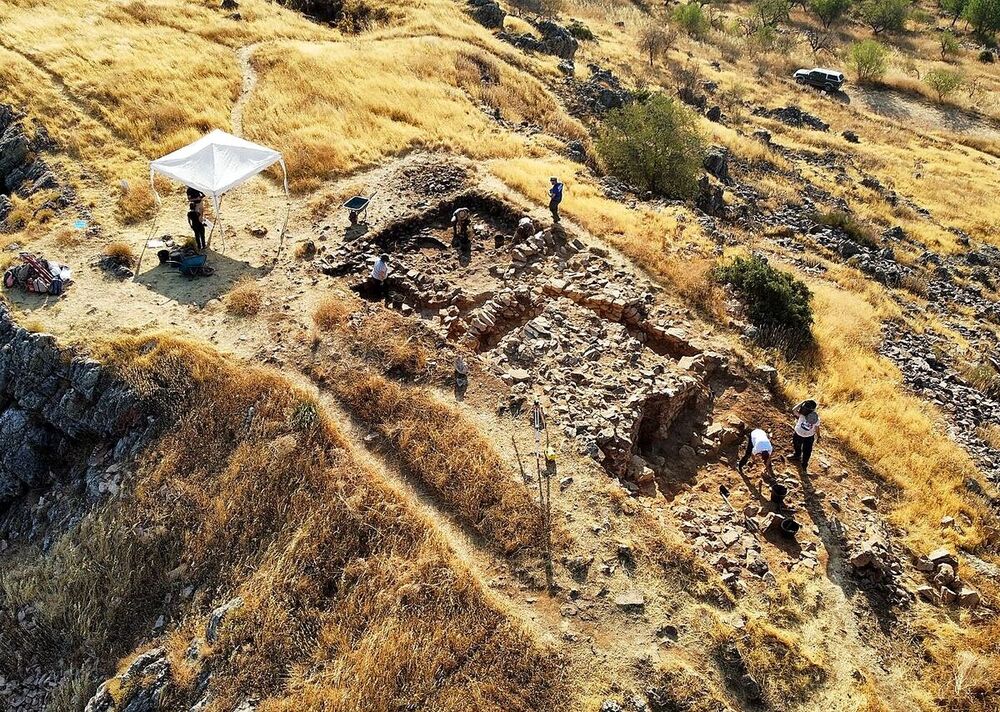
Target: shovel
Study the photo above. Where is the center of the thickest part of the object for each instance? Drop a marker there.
(747, 522)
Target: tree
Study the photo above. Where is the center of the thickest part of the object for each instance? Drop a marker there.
(655, 145)
(984, 16)
(829, 11)
(943, 81)
(692, 19)
(948, 43)
(772, 12)
(818, 41)
(953, 9)
(868, 58)
(883, 15)
(656, 40)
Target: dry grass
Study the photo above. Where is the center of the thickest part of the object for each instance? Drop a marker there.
(245, 299)
(331, 313)
(120, 253)
(426, 97)
(438, 446)
(136, 203)
(350, 603)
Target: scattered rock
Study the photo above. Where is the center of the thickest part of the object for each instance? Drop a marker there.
(792, 116)
(850, 137)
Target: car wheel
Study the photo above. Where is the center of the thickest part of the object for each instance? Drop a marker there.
(800, 80)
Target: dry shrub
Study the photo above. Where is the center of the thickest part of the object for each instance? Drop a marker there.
(135, 203)
(347, 595)
(787, 671)
(67, 237)
(121, 253)
(332, 312)
(692, 279)
(437, 445)
(245, 298)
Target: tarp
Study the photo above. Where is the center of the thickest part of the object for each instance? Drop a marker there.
(217, 163)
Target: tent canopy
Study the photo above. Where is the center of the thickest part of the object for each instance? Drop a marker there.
(217, 163)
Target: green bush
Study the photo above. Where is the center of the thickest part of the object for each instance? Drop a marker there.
(775, 301)
(581, 31)
(944, 81)
(948, 44)
(851, 227)
(655, 145)
(868, 58)
(883, 15)
(692, 19)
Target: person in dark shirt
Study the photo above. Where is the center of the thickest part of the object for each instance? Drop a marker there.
(555, 197)
(197, 223)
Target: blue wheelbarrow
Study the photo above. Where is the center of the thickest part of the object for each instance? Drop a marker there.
(357, 208)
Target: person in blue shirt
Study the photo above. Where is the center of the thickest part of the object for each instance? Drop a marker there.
(555, 197)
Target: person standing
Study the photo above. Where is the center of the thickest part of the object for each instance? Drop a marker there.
(196, 217)
(380, 272)
(758, 444)
(555, 197)
(806, 432)
(461, 224)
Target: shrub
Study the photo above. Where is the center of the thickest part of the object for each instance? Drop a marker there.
(350, 15)
(986, 56)
(135, 203)
(655, 145)
(331, 313)
(121, 253)
(244, 299)
(774, 300)
(851, 227)
(692, 19)
(580, 31)
(829, 11)
(656, 40)
(948, 44)
(868, 58)
(883, 15)
(943, 81)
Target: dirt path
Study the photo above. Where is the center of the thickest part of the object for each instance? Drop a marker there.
(244, 57)
(921, 113)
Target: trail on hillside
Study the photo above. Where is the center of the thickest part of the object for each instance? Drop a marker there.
(244, 57)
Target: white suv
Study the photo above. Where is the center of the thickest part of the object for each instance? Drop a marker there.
(826, 79)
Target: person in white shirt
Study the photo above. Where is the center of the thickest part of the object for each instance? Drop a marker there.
(376, 282)
(806, 432)
(758, 443)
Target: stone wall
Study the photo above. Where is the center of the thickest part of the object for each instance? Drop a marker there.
(61, 413)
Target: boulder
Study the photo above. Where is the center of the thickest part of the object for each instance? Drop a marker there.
(487, 13)
(717, 162)
(218, 617)
(850, 137)
(710, 198)
(714, 113)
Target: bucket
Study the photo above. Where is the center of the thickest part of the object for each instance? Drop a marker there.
(778, 493)
(790, 527)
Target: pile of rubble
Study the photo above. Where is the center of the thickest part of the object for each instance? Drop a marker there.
(792, 116)
(498, 316)
(874, 561)
(946, 586)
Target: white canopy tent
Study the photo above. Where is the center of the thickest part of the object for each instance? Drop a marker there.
(217, 163)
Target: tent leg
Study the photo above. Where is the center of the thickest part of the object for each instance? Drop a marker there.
(145, 244)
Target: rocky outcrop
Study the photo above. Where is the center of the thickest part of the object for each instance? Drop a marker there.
(555, 40)
(57, 409)
(793, 116)
(22, 171)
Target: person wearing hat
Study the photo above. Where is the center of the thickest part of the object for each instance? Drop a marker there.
(806, 432)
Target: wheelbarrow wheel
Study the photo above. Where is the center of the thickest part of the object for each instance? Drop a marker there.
(353, 217)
